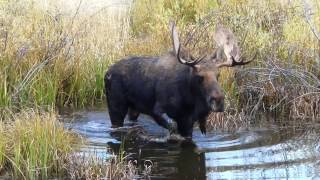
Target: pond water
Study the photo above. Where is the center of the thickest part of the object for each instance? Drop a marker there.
(254, 153)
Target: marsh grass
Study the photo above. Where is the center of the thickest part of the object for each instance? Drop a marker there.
(117, 165)
(34, 145)
(56, 56)
(60, 56)
(91, 166)
(52, 56)
(228, 121)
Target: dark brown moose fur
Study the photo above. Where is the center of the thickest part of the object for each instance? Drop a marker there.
(165, 87)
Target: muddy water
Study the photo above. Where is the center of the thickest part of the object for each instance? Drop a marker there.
(257, 153)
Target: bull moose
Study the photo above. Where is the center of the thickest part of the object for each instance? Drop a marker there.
(174, 86)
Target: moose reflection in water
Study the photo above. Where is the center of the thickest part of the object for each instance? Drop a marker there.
(263, 150)
(176, 160)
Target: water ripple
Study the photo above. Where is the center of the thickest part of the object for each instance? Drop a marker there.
(255, 154)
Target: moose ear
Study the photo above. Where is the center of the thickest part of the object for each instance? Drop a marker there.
(196, 68)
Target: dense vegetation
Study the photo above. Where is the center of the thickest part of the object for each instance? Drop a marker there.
(59, 58)
(34, 145)
(53, 57)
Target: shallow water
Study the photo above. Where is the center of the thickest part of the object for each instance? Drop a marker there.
(258, 153)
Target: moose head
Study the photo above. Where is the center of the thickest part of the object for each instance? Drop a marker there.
(206, 74)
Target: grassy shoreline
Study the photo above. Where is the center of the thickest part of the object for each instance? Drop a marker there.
(59, 58)
(34, 145)
(51, 57)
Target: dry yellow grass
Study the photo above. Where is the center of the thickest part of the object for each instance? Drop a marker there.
(34, 145)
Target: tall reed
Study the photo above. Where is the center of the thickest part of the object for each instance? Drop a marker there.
(34, 145)
(51, 55)
(60, 55)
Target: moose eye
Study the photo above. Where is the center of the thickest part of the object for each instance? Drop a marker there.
(200, 79)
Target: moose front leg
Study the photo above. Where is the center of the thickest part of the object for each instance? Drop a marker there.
(185, 127)
(166, 123)
(163, 119)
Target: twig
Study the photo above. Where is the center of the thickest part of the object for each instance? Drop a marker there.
(307, 14)
(30, 75)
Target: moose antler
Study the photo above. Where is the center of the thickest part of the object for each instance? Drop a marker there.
(228, 42)
(233, 62)
(177, 47)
